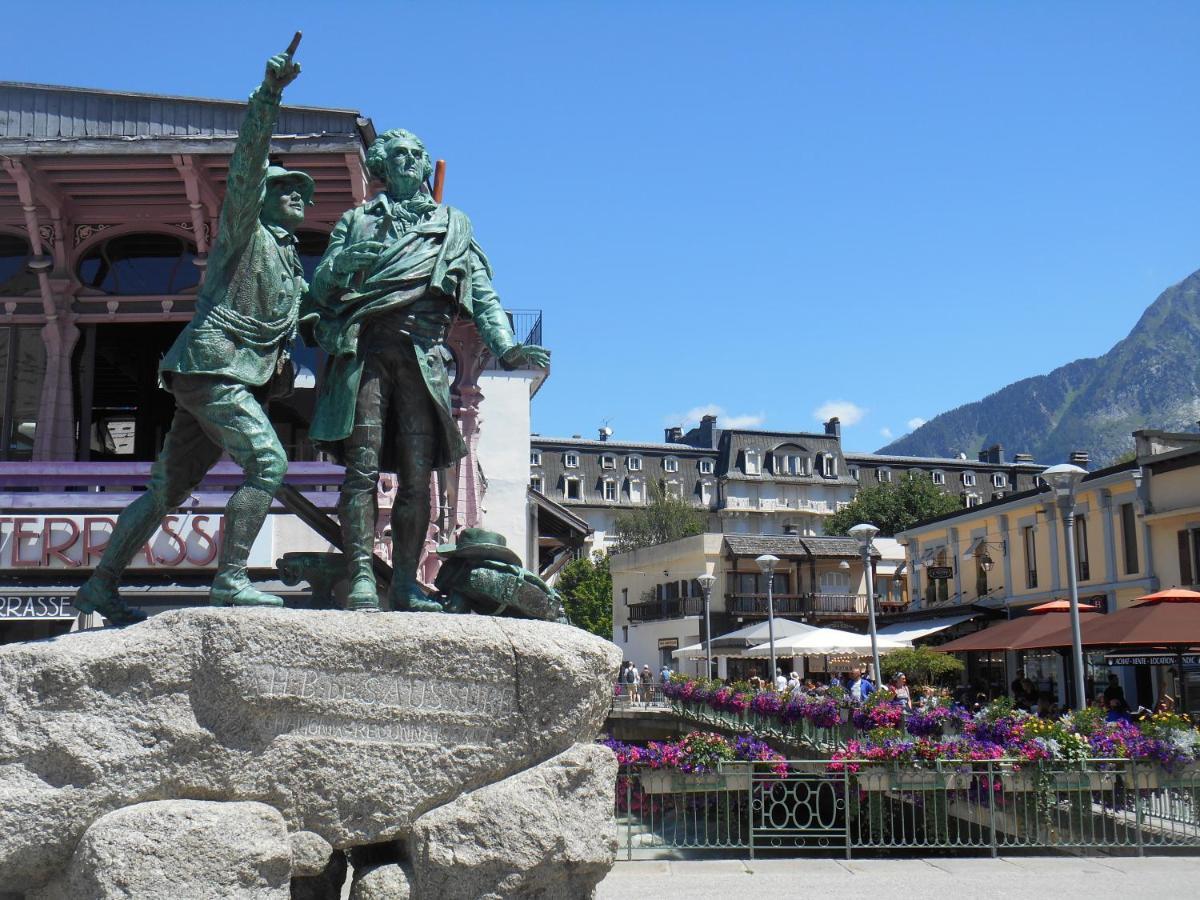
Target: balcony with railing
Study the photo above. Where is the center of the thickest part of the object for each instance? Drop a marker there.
(813, 605)
(661, 610)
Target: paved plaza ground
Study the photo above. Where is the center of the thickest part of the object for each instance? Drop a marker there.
(1056, 877)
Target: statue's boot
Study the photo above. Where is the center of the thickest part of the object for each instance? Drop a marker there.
(407, 595)
(134, 527)
(356, 513)
(244, 516)
(410, 524)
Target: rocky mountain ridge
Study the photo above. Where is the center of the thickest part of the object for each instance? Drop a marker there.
(1150, 379)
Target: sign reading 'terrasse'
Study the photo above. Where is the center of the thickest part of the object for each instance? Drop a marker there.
(25, 606)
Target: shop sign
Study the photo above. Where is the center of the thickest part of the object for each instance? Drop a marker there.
(668, 643)
(940, 573)
(183, 541)
(1150, 659)
(27, 606)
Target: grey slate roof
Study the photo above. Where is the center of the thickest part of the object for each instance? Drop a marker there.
(938, 462)
(48, 118)
(734, 442)
(554, 471)
(791, 546)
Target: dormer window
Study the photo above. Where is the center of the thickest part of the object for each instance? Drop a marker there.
(999, 480)
(670, 464)
(853, 470)
(706, 467)
(753, 462)
(608, 461)
(827, 465)
(535, 457)
(706, 493)
(883, 476)
(938, 476)
(571, 460)
(970, 498)
(571, 489)
(790, 464)
(535, 482)
(634, 463)
(968, 479)
(609, 490)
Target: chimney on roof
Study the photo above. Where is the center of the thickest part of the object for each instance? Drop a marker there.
(833, 427)
(993, 454)
(706, 432)
(1079, 458)
(673, 435)
(576, 436)
(1022, 457)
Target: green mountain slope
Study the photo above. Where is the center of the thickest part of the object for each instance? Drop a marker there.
(1151, 379)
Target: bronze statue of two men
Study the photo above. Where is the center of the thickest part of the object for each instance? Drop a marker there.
(397, 271)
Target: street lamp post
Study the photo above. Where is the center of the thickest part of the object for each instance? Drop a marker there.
(706, 583)
(1063, 479)
(864, 534)
(766, 564)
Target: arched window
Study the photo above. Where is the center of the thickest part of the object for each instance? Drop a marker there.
(311, 247)
(141, 264)
(14, 257)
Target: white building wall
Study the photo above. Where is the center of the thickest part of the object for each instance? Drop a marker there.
(504, 454)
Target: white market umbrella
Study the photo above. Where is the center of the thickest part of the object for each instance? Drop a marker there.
(734, 642)
(825, 642)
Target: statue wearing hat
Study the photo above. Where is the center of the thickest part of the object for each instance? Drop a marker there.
(481, 574)
(227, 362)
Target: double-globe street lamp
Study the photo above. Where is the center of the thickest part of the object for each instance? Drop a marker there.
(706, 583)
(766, 565)
(1063, 479)
(864, 534)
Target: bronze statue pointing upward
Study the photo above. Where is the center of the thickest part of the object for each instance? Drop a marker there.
(396, 273)
(227, 361)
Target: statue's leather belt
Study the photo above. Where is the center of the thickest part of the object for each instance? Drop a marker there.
(425, 324)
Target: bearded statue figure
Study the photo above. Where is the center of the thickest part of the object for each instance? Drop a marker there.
(397, 271)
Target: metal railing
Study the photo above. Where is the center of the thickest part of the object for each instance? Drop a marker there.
(526, 325)
(656, 610)
(854, 805)
(802, 736)
(798, 604)
(626, 696)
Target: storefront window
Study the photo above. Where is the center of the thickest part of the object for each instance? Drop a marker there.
(141, 264)
(22, 368)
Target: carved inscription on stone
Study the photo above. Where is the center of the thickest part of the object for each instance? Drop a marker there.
(384, 708)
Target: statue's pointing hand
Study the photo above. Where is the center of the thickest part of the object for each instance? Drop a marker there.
(357, 257)
(281, 71)
(526, 354)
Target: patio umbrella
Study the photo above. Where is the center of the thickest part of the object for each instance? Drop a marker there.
(1023, 633)
(730, 643)
(825, 642)
(1168, 620)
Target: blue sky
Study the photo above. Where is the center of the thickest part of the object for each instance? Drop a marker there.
(773, 210)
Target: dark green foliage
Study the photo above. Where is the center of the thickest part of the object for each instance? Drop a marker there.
(922, 665)
(665, 518)
(893, 506)
(586, 588)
